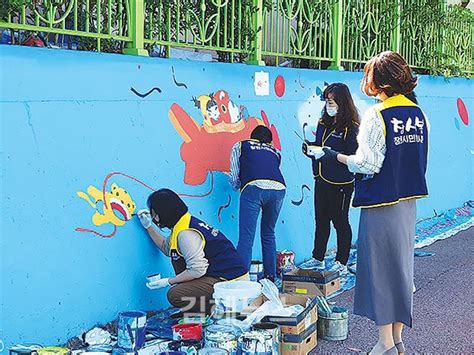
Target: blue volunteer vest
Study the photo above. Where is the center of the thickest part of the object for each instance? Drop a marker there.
(402, 176)
(259, 161)
(334, 172)
(224, 262)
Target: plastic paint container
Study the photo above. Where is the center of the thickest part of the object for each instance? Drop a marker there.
(256, 342)
(131, 330)
(235, 296)
(205, 321)
(50, 350)
(24, 349)
(274, 330)
(213, 351)
(334, 325)
(153, 278)
(187, 331)
(221, 337)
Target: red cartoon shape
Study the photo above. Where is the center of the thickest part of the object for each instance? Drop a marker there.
(462, 110)
(207, 147)
(279, 86)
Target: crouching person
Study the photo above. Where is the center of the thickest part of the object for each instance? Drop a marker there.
(200, 254)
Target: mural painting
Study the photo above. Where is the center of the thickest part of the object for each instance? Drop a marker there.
(207, 145)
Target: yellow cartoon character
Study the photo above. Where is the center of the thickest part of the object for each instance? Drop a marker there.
(118, 206)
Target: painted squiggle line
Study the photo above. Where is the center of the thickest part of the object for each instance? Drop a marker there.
(298, 203)
(221, 208)
(147, 93)
(176, 82)
(299, 81)
(85, 230)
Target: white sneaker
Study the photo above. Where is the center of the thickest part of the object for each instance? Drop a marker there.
(315, 264)
(339, 267)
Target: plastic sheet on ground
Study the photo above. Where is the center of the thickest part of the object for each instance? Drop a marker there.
(428, 231)
(444, 225)
(160, 324)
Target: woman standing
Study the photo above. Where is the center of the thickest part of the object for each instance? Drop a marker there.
(390, 164)
(334, 183)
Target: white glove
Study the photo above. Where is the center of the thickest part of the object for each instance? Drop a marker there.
(145, 218)
(161, 283)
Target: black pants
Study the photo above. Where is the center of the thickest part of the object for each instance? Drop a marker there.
(331, 203)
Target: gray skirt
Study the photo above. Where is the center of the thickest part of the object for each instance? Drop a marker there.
(385, 248)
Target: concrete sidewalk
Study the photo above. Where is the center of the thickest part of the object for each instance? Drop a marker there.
(443, 305)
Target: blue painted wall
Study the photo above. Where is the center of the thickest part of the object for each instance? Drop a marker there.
(69, 118)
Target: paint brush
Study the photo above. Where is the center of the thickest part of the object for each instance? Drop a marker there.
(299, 136)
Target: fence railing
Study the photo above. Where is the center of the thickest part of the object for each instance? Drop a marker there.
(332, 34)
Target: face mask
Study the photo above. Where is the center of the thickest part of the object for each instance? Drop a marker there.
(332, 111)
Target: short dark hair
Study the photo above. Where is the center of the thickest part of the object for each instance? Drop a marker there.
(388, 72)
(168, 206)
(262, 134)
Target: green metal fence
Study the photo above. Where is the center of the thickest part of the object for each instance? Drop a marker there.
(313, 33)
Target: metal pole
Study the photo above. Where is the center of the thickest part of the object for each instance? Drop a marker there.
(257, 25)
(337, 10)
(136, 29)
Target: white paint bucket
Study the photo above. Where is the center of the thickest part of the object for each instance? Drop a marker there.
(234, 296)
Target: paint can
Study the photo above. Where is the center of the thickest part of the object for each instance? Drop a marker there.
(256, 271)
(53, 350)
(274, 331)
(190, 347)
(285, 262)
(131, 330)
(256, 342)
(334, 325)
(221, 337)
(24, 349)
(187, 331)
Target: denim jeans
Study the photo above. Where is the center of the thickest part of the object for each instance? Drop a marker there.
(252, 200)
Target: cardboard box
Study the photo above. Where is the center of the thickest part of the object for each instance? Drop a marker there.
(310, 319)
(308, 341)
(311, 282)
(300, 321)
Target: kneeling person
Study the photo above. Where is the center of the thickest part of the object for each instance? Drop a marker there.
(200, 254)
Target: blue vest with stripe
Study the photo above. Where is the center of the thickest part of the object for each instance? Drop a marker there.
(259, 161)
(402, 176)
(345, 142)
(224, 261)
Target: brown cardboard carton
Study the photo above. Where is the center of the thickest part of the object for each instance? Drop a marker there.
(289, 300)
(307, 342)
(310, 319)
(311, 282)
